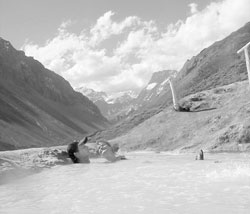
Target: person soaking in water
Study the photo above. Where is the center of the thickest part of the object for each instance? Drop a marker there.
(105, 150)
(200, 156)
(78, 152)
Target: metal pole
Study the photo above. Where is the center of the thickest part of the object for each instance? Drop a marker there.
(247, 63)
(246, 58)
(176, 106)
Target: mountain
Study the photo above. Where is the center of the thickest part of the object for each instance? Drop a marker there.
(120, 105)
(113, 106)
(219, 122)
(93, 95)
(121, 97)
(216, 65)
(157, 87)
(39, 107)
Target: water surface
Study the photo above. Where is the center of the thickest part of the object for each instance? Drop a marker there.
(146, 183)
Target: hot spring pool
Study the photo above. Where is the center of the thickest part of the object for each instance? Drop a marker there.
(146, 183)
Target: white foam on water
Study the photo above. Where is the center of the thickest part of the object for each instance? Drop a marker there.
(146, 183)
(233, 171)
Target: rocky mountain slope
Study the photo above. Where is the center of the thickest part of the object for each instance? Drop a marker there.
(37, 106)
(214, 66)
(121, 105)
(93, 95)
(219, 121)
(114, 106)
(155, 89)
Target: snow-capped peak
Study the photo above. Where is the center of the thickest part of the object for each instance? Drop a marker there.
(92, 94)
(118, 97)
(121, 97)
(151, 86)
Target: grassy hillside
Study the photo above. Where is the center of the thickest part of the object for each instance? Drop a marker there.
(214, 66)
(219, 121)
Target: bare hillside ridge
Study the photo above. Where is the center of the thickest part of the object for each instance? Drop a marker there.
(216, 65)
(38, 107)
(219, 121)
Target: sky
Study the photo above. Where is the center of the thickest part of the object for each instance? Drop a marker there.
(116, 45)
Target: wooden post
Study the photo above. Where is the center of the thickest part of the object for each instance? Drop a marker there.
(246, 58)
(175, 101)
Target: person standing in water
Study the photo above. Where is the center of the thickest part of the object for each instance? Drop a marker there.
(200, 156)
(78, 152)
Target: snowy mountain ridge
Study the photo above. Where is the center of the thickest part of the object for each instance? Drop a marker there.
(113, 106)
(120, 104)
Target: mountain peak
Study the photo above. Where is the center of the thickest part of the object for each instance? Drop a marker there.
(121, 97)
(113, 106)
(37, 106)
(5, 45)
(160, 76)
(92, 94)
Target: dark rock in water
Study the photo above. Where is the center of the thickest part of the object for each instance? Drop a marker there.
(50, 157)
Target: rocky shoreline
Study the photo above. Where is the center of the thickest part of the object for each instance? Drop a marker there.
(21, 163)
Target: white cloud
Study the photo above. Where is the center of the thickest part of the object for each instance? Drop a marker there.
(193, 8)
(106, 27)
(142, 47)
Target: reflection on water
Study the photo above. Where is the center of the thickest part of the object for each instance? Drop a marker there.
(146, 183)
